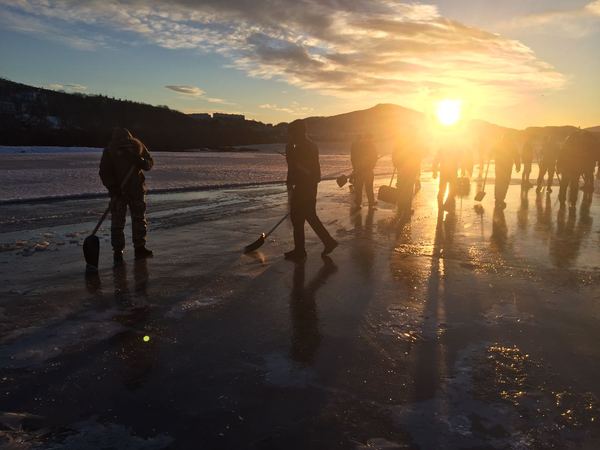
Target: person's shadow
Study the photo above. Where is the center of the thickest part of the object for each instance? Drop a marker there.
(306, 336)
(499, 229)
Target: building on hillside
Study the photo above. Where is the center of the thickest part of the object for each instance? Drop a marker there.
(201, 116)
(7, 108)
(229, 117)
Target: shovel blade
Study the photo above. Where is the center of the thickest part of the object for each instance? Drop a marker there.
(479, 196)
(255, 245)
(341, 180)
(91, 251)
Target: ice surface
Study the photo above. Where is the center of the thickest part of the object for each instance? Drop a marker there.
(34, 172)
(473, 328)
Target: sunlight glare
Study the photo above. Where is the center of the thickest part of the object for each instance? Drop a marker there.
(448, 111)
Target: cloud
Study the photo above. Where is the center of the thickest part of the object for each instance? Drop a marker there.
(371, 49)
(67, 87)
(194, 91)
(574, 22)
(187, 90)
(294, 109)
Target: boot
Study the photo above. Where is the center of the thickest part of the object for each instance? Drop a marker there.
(142, 253)
(117, 258)
(295, 255)
(329, 247)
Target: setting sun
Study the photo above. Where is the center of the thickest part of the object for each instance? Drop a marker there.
(448, 111)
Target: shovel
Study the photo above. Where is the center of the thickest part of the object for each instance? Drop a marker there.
(91, 244)
(263, 237)
(481, 194)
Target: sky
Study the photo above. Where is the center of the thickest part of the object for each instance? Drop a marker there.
(517, 63)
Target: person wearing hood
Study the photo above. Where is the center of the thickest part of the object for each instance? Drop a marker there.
(123, 154)
(304, 175)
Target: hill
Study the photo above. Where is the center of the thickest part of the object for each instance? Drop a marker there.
(382, 121)
(594, 129)
(36, 116)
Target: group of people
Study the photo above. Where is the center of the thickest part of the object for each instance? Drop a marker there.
(575, 158)
(126, 158)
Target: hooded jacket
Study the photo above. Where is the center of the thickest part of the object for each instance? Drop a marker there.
(123, 152)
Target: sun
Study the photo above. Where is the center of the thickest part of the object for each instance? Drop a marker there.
(448, 111)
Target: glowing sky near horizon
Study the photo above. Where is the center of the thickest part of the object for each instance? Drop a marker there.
(516, 63)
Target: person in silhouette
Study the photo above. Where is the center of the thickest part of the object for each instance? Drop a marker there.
(406, 158)
(363, 155)
(548, 157)
(445, 163)
(573, 161)
(527, 159)
(505, 155)
(303, 177)
(124, 153)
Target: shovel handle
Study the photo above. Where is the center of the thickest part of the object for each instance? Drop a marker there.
(392, 179)
(487, 169)
(123, 183)
(276, 225)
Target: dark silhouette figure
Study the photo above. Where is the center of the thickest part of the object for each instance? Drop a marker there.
(445, 163)
(575, 158)
(407, 157)
(304, 175)
(124, 152)
(505, 155)
(306, 336)
(527, 160)
(363, 155)
(548, 157)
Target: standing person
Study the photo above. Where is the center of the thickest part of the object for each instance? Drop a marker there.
(574, 159)
(505, 155)
(304, 175)
(406, 157)
(124, 152)
(446, 163)
(363, 155)
(527, 159)
(548, 157)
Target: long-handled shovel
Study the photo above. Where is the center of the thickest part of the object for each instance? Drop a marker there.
(91, 244)
(481, 194)
(263, 237)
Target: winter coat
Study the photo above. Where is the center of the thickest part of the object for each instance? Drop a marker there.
(123, 152)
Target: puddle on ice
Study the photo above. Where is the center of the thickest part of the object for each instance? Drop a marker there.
(281, 371)
(181, 309)
(499, 398)
(34, 346)
(87, 435)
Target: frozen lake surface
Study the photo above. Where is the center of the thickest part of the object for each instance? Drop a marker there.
(469, 329)
(59, 172)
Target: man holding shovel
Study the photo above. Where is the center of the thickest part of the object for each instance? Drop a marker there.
(123, 153)
(304, 175)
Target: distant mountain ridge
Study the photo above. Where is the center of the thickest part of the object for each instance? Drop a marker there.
(37, 116)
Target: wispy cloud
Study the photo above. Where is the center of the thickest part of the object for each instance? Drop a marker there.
(344, 48)
(187, 90)
(69, 87)
(196, 92)
(575, 22)
(295, 109)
